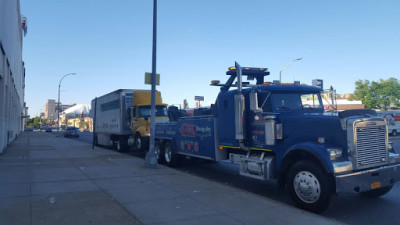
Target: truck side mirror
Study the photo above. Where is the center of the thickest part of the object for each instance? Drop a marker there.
(254, 102)
(133, 112)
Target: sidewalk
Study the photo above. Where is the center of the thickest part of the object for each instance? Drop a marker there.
(46, 179)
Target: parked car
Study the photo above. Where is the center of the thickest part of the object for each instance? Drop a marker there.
(48, 129)
(71, 132)
(28, 129)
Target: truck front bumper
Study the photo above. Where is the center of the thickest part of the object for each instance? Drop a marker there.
(368, 179)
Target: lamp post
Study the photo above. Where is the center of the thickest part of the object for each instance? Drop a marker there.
(151, 158)
(280, 72)
(58, 103)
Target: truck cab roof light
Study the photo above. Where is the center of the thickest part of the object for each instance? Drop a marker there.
(249, 71)
(248, 68)
(214, 82)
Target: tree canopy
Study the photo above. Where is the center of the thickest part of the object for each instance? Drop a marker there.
(378, 95)
(35, 122)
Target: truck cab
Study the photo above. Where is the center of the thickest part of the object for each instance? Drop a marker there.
(140, 117)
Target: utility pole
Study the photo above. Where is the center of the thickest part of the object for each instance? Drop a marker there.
(58, 103)
(94, 139)
(151, 158)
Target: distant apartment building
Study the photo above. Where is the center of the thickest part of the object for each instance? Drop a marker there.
(50, 108)
(42, 116)
(12, 72)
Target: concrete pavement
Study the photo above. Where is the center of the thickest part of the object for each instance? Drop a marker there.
(46, 179)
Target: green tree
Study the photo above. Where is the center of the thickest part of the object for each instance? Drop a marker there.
(35, 122)
(378, 95)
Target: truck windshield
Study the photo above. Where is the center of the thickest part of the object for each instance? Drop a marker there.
(296, 101)
(161, 110)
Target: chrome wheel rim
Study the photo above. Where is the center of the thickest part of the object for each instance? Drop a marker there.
(307, 186)
(138, 143)
(168, 153)
(157, 151)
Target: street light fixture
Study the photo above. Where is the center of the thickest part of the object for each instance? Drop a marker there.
(58, 103)
(280, 72)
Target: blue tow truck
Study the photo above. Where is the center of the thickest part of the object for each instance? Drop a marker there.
(277, 131)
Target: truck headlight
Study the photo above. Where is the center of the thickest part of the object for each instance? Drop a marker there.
(335, 153)
(390, 146)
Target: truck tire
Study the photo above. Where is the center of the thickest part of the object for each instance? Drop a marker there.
(171, 158)
(308, 186)
(394, 132)
(121, 145)
(376, 192)
(139, 144)
(159, 150)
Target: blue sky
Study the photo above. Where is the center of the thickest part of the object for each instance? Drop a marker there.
(109, 43)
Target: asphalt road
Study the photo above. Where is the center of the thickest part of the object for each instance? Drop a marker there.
(348, 208)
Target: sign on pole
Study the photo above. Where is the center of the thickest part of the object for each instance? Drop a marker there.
(147, 78)
(199, 98)
(318, 83)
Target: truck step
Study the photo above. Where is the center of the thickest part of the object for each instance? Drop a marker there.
(257, 167)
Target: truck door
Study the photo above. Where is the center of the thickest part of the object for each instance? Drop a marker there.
(134, 121)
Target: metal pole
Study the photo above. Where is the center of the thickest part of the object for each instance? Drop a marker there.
(58, 107)
(58, 103)
(280, 72)
(151, 158)
(94, 124)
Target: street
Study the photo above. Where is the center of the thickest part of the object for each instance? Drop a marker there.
(347, 208)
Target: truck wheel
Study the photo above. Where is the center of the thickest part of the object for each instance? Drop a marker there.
(376, 192)
(139, 142)
(159, 150)
(121, 145)
(171, 158)
(394, 132)
(308, 186)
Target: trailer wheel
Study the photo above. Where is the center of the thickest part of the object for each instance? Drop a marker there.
(160, 152)
(394, 132)
(121, 145)
(377, 192)
(171, 158)
(139, 142)
(308, 186)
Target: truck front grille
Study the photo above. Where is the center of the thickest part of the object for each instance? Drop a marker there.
(371, 146)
